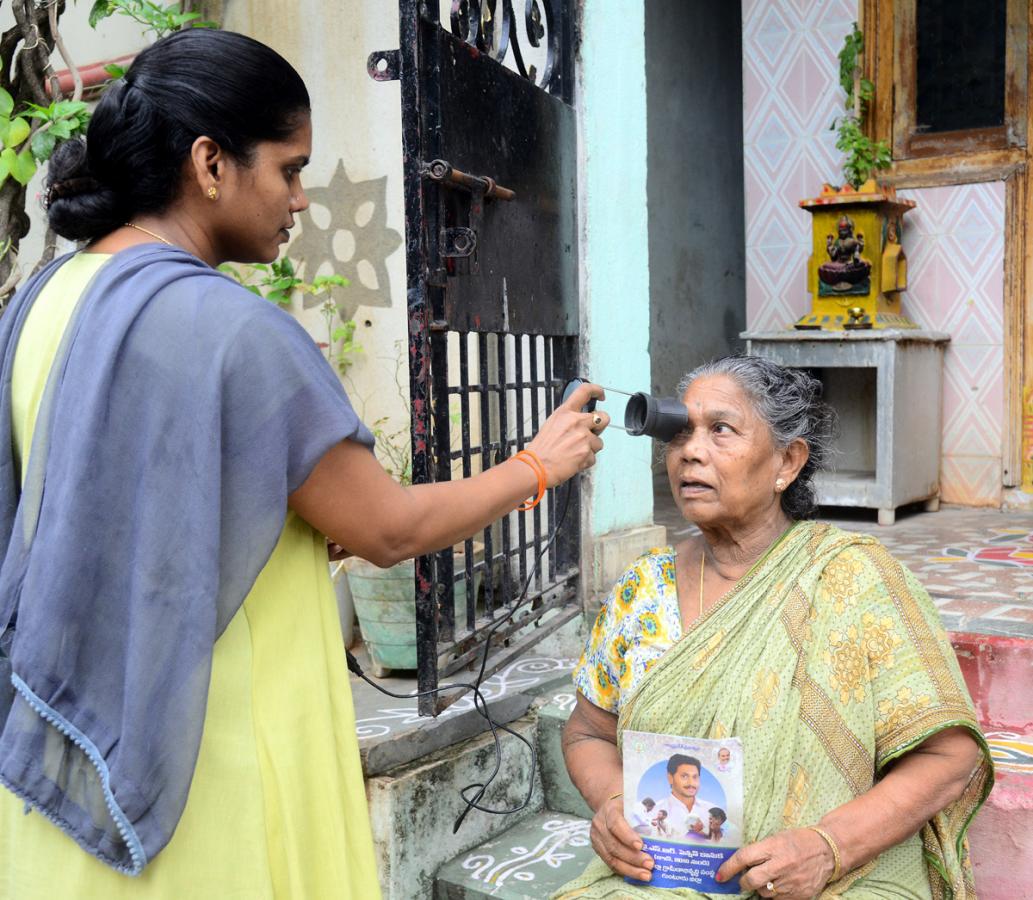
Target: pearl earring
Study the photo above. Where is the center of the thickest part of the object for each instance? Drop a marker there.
(780, 485)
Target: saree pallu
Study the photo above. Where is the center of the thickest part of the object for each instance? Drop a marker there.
(828, 661)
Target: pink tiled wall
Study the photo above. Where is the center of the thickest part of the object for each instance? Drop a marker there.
(954, 239)
(955, 244)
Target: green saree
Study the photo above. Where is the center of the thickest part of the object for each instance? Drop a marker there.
(828, 660)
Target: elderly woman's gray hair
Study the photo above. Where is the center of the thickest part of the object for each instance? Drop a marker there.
(789, 401)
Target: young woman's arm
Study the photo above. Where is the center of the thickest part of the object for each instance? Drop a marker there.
(354, 502)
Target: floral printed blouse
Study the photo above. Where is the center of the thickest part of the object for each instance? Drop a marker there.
(639, 621)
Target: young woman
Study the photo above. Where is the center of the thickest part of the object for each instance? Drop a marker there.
(175, 453)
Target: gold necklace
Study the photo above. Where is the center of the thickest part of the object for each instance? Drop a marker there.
(157, 237)
(702, 562)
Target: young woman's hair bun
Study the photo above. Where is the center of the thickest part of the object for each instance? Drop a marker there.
(79, 206)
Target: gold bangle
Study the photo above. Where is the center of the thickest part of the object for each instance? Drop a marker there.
(615, 796)
(837, 862)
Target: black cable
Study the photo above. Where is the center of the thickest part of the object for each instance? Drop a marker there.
(480, 704)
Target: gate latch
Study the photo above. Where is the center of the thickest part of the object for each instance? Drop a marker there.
(441, 171)
(458, 242)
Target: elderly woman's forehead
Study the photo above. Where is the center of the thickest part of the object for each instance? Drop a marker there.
(716, 388)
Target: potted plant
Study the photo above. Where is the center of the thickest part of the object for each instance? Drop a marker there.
(857, 267)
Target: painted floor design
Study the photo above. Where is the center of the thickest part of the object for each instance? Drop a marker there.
(1011, 752)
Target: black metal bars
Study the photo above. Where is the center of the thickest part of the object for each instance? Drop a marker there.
(492, 305)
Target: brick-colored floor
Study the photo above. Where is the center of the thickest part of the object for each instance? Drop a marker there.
(976, 563)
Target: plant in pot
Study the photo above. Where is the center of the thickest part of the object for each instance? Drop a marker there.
(385, 598)
(857, 267)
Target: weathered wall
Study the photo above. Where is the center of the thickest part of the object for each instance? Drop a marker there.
(997, 671)
(955, 239)
(356, 222)
(697, 268)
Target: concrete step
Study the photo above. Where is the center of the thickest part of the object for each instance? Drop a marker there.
(528, 861)
(554, 709)
(412, 808)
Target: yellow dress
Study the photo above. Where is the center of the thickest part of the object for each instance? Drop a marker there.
(277, 806)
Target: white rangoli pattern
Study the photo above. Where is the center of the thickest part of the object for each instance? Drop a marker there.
(519, 865)
(517, 676)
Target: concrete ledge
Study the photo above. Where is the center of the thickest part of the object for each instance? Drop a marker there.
(611, 553)
(426, 736)
(412, 809)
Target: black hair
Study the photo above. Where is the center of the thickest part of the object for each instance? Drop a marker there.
(196, 82)
(680, 759)
(718, 813)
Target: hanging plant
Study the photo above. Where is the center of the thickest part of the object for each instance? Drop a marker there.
(863, 155)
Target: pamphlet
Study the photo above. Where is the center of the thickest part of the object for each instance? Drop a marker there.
(684, 795)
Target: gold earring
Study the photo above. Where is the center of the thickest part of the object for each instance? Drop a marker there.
(213, 193)
(780, 485)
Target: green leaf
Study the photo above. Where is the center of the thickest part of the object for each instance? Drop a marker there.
(66, 108)
(323, 281)
(115, 71)
(23, 167)
(17, 131)
(43, 143)
(63, 128)
(101, 10)
(6, 104)
(7, 158)
(278, 297)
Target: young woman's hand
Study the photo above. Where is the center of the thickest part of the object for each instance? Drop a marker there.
(569, 439)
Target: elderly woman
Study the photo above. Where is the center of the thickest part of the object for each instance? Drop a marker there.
(863, 762)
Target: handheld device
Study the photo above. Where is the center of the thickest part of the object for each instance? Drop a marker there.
(656, 417)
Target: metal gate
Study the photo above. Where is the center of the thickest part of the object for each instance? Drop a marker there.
(491, 255)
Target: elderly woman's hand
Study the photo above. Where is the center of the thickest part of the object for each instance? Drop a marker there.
(797, 864)
(617, 843)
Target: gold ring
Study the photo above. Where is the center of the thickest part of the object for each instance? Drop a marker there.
(771, 887)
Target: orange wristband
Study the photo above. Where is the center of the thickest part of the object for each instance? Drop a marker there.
(530, 458)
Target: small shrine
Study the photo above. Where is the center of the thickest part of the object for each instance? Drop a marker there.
(857, 267)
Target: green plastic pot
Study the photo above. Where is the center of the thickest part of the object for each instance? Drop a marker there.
(385, 605)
